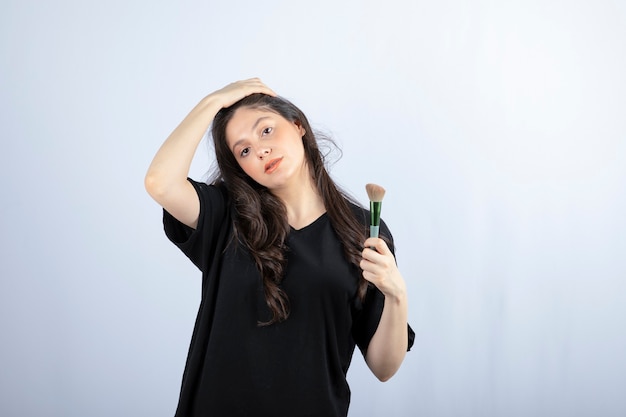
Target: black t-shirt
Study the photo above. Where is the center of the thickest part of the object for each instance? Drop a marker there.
(294, 368)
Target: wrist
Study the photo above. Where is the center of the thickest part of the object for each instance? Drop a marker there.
(210, 103)
(397, 297)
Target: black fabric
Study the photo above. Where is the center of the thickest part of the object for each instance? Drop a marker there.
(294, 368)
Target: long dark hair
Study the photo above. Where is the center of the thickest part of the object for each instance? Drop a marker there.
(260, 218)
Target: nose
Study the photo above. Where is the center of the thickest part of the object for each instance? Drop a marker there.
(263, 152)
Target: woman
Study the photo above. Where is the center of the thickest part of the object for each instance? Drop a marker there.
(290, 282)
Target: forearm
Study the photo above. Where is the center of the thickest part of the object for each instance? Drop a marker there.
(170, 166)
(388, 346)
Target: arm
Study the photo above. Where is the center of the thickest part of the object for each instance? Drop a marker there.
(388, 346)
(166, 179)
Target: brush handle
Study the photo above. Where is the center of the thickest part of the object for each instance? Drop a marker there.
(375, 207)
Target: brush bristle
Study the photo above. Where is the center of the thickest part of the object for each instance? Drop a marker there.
(375, 192)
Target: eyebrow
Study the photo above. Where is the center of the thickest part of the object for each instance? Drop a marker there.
(254, 126)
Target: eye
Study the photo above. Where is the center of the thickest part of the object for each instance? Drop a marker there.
(244, 152)
(266, 131)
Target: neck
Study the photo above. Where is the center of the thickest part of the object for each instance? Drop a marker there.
(302, 202)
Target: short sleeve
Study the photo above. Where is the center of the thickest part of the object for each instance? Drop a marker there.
(200, 244)
(366, 317)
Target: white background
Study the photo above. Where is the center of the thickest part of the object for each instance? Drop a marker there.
(498, 129)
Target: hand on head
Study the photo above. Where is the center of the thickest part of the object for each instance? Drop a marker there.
(237, 90)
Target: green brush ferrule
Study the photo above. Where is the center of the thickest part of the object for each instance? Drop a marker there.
(375, 217)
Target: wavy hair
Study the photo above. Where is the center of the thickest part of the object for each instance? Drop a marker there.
(260, 218)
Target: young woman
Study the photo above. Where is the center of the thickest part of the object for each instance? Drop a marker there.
(291, 283)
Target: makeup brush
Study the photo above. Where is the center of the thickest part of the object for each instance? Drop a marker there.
(376, 194)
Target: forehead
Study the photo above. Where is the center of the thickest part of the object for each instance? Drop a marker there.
(244, 120)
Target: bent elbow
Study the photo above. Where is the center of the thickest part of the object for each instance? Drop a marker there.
(385, 376)
(384, 365)
(157, 186)
(152, 184)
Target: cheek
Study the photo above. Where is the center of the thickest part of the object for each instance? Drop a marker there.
(246, 165)
(300, 151)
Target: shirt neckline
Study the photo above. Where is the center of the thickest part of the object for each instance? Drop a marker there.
(308, 226)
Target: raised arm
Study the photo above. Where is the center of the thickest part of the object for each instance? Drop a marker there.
(166, 179)
(389, 344)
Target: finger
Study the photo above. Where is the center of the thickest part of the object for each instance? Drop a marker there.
(377, 244)
(370, 277)
(259, 86)
(370, 254)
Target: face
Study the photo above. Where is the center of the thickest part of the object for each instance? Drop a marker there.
(268, 147)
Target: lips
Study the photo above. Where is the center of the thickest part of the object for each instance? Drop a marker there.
(272, 165)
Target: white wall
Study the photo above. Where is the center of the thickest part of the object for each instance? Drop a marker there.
(497, 128)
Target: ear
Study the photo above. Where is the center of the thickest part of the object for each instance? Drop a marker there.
(298, 124)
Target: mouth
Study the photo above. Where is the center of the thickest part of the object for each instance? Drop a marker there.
(272, 165)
